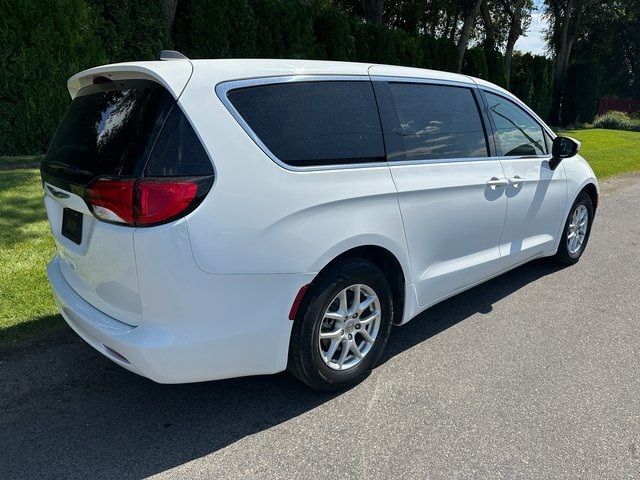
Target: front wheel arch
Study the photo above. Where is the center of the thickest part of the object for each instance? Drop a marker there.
(591, 190)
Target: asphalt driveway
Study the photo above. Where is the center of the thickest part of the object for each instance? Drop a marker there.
(535, 374)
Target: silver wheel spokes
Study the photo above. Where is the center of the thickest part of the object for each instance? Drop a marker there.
(349, 327)
(577, 229)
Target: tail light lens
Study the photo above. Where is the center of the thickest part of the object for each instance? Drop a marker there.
(159, 200)
(146, 201)
(112, 200)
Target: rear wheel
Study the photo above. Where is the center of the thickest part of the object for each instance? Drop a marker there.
(576, 231)
(342, 332)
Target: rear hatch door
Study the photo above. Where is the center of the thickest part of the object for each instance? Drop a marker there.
(109, 130)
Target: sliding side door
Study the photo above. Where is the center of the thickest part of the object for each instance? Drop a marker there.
(451, 192)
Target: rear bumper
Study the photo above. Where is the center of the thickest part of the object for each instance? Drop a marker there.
(188, 349)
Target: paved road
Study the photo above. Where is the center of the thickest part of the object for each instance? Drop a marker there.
(535, 374)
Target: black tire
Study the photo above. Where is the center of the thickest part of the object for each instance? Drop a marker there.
(305, 361)
(563, 255)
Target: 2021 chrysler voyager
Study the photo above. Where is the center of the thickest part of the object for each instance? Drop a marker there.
(220, 218)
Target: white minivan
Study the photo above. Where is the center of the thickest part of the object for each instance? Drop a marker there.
(220, 218)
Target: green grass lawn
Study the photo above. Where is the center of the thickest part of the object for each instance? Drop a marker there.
(609, 152)
(26, 302)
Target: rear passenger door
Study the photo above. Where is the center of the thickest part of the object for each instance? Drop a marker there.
(451, 191)
(536, 193)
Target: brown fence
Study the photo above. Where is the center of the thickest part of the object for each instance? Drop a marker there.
(629, 105)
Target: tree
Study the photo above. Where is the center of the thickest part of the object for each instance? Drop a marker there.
(610, 37)
(519, 13)
(470, 10)
(373, 10)
(565, 18)
(489, 30)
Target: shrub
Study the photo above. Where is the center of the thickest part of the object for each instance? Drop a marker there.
(130, 31)
(495, 67)
(475, 63)
(447, 55)
(531, 81)
(42, 43)
(215, 28)
(581, 92)
(333, 34)
(542, 71)
(616, 121)
(374, 43)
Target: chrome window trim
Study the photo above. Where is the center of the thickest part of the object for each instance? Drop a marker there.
(432, 161)
(223, 88)
(525, 157)
(393, 163)
(432, 81)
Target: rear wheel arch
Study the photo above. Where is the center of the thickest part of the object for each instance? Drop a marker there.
(379, 256)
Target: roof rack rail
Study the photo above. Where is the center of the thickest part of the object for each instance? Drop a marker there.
(171, 55)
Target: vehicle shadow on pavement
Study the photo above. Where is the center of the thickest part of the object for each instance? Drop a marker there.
(479, 299)
(67, 412)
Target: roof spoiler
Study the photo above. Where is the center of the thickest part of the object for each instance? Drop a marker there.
(171, 55)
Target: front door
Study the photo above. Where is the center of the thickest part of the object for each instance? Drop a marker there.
(536, 194)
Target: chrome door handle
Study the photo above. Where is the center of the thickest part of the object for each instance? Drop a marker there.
(516, 181)
(496, 182)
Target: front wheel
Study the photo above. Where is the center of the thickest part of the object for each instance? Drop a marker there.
(576, 231)
(342, 332)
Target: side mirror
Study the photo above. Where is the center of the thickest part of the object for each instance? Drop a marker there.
(563, 147)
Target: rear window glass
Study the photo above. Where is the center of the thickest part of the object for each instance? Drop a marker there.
(314, 123)
(433, 122)
(108, 129)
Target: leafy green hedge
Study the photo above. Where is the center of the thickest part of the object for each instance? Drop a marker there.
(43, 42)
(130, 30)
(532, 81)
(581, 92)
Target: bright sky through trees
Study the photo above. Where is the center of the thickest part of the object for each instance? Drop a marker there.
(533, 41)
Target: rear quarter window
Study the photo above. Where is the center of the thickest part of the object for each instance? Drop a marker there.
(314, 123)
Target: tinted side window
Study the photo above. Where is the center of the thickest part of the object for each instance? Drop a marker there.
(517, 133)
(314, 123)
(178, 151)
(433, 122)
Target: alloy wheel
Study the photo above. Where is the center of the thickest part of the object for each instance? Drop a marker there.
(577, 229)
(349, 327)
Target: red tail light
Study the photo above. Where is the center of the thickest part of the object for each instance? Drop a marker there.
(146, 201)
(160, 199)
(112, 200)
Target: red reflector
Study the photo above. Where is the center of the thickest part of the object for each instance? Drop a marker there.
(163, 198)
(296, 302)
(112, 200)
